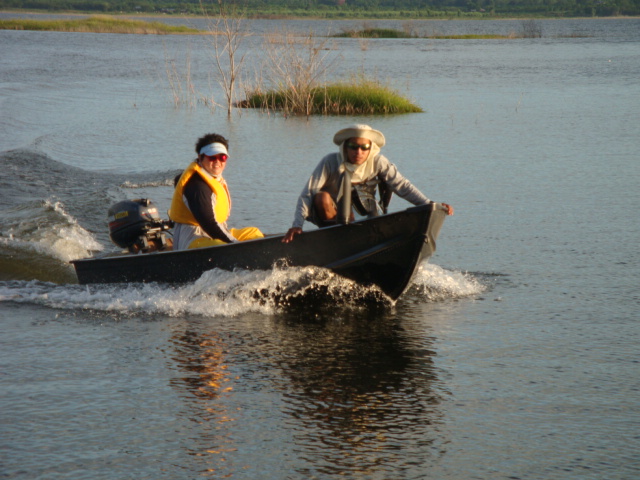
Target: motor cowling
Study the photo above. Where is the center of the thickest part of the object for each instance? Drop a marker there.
(137, 226)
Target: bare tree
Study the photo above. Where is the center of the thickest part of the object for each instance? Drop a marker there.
(228, 33)
(180, 81)
(295, 66)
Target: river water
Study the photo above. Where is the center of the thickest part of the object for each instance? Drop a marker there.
(512, 356)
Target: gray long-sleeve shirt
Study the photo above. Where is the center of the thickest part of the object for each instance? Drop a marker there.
(327, 176)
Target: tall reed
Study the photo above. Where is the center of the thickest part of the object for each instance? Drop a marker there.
(295, 66)
(180, 82)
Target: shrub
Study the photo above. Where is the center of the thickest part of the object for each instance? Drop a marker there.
(344, 98)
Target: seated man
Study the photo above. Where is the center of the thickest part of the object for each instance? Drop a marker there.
(201, 202)
(347, 178)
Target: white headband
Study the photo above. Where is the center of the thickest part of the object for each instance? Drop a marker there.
(214, 149)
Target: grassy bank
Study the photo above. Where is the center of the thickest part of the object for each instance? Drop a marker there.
(375, 33)
(390, 33)
(530, 29)
(97, 24)
(358, 98)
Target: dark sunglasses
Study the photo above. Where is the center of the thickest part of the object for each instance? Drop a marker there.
(221, 157)
(355, 146)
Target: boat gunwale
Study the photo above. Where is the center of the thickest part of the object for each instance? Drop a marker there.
(190, 252)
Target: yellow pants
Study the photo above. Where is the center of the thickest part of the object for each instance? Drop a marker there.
(242, 234)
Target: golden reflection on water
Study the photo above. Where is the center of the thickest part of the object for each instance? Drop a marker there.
(202, 356)
(205, 378)
(335, 395)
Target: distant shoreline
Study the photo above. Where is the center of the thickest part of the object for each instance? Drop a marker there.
(153, 25)
(312, 18)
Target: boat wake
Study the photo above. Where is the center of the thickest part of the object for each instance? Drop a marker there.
(43, 228)
(38, 239)
(221, 293)
(434, 283)
(44, 225)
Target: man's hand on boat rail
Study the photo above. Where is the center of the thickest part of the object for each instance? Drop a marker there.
(448, 208)
(292, 232)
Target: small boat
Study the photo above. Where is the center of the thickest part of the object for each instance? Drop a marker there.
(383, 251)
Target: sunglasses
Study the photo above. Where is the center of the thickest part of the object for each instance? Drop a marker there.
(221, 157)
(355, 146)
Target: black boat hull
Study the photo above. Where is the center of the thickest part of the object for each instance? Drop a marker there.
(383, 251)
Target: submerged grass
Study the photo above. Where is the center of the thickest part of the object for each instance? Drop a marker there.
(470, 37)
(374, 33)
(97, 24)
(344, 98)
(530, 29)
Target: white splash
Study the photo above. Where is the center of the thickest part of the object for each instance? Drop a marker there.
(436, 283)
(216, 293)
(220, 293)
(150, 184)
(52, 232)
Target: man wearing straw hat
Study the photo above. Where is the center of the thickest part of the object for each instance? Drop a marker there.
(355, 170)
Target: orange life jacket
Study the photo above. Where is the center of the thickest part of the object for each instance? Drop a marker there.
(179, 212)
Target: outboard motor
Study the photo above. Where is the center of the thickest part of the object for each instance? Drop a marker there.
(137, 226)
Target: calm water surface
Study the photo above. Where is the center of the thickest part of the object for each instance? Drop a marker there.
(513, 355)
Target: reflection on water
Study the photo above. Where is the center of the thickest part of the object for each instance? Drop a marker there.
(358, 393)
(202, 358)
(352, 391)
(203, 379)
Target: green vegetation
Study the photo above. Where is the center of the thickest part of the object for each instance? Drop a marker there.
(390, 33)
(530, 29)
(470, 37)
(96, 24)
(400, 9)
(107, 24)
(293, 70)
(375, 33)
(348, 98)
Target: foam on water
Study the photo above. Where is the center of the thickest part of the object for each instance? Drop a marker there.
(168, 182)
(223, 293)
(437, 283)
(39, 239)
(49, 230)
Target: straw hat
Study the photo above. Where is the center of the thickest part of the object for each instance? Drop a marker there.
(359, 131)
